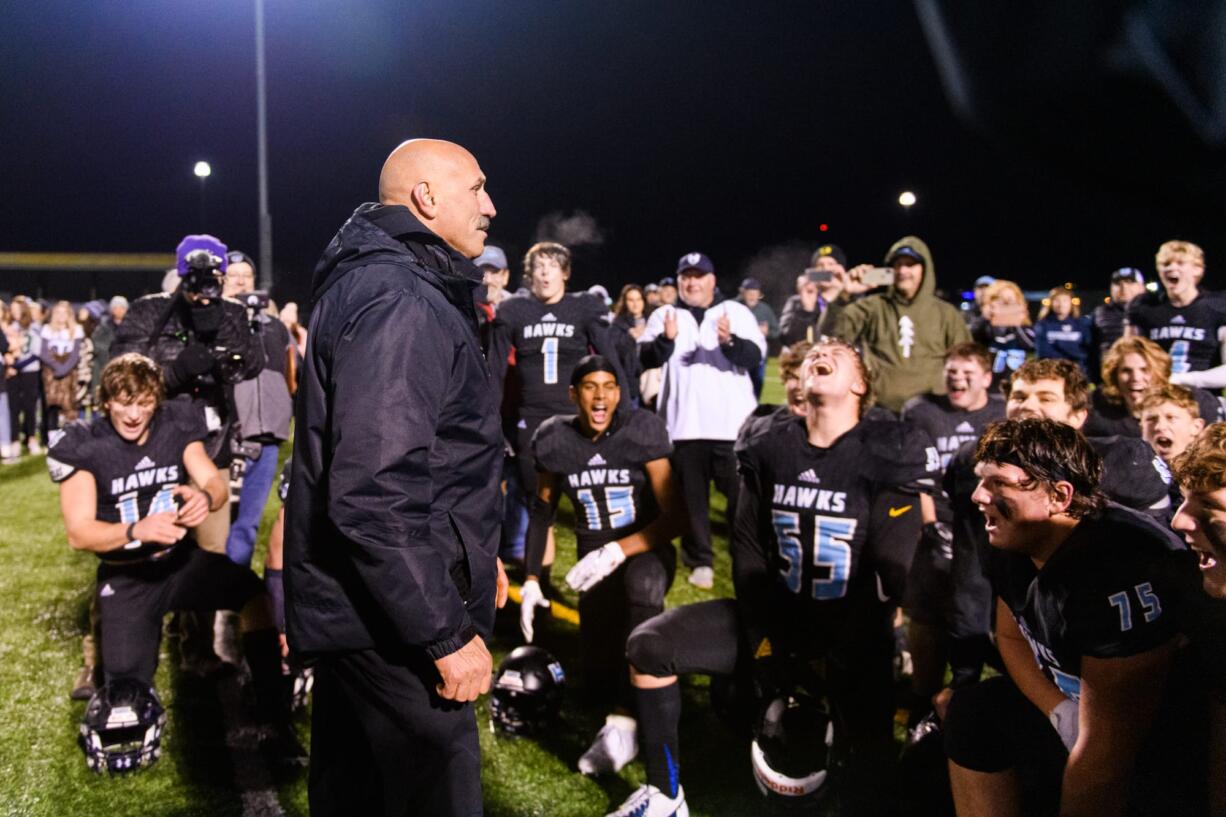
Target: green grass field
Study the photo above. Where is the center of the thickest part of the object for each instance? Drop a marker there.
(45, 589)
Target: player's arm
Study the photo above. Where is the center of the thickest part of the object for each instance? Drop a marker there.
(671, 521)
(541, 509)
(896, 520)
(1119, 699)
(78, 504)
(1020, 663)
(198, 504)
(751, 560)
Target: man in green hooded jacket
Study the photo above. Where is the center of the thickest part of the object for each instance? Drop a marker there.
(905, 330)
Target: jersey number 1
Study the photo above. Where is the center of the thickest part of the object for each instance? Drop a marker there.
(830, 551)
(549, 349)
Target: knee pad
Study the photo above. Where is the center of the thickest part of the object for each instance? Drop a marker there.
(646, 582)
(650, 652)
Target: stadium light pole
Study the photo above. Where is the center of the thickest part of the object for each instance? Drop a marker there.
(261, 105)
(202, 170)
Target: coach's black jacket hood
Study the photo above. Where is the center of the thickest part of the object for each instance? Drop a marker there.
(393, 513)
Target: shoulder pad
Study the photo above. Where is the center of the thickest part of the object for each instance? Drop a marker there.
(547, 441)
(648, 434)
(69, 450)
(1133, 475)
(898, 454)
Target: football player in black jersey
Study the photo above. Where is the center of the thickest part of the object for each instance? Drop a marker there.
(126, 495)
(766, 416)
(1201, 520)
(1132, 475)
(1085, 593)
(951, 420)
(822, 543)
(1189, 324)
(614, 469)
(536, 340)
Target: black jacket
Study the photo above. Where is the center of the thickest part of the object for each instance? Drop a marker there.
(392, 521)
(237, 357)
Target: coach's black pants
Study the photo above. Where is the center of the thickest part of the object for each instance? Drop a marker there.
(383, 743)
(697, 463)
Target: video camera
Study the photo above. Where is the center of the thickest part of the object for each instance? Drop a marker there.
(204, 276)
(256, 301)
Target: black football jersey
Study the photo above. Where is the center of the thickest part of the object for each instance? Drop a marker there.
(133, 481)
(548, 340)
(949, 428)
(605, 480)
(1108, 419)
(1109, 591)
(827, 527)
(1134, 476)
(1191, 335)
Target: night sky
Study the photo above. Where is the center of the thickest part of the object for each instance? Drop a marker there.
(725, 128)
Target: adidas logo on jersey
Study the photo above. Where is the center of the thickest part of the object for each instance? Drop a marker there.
(809, 476)
(1178, 319)
(548, 316)
(145, 462)
(596, 460)
(965, 428)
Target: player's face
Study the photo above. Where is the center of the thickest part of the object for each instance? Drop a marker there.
(697, 288)
(596, 397)
(966, 383)
(1169, 429)
(1043, 398)
(130, 416)
(547, 278)
(1180, 274)
(795, 388)
(831, 370)
(1133, 378)
(1014, 506)
(908, 274)
(1202, 521)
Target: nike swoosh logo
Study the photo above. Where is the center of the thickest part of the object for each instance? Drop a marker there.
(896, 512)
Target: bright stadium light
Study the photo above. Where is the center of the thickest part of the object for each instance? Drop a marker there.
(906, 198)
(202, 170)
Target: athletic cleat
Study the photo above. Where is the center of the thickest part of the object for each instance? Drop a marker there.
(616, 744)
(648, 801)
(702, 577)
(83, 687)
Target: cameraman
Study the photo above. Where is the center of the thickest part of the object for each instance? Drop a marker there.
(203, 345)
(262, 402)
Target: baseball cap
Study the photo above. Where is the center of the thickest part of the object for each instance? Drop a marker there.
(192, 243)
(695, 260)
(1127, 274)
(239, 257)
(118, 301)
(668, 281)
(492, 257)
(832, 250)
(652, 288)
(905, 252)
(984, 280)
(751, 283)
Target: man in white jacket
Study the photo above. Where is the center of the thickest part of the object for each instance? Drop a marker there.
(707, 346)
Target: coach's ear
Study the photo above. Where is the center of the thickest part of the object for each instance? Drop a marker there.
(573, 393)
(1059, 497)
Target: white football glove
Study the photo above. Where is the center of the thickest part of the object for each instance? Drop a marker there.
(1064, 719)
(530, 598)
(592, 568)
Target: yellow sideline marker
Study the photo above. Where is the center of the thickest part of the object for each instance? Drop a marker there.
(556, 608)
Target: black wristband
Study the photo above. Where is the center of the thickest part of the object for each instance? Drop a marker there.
(128, 532)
